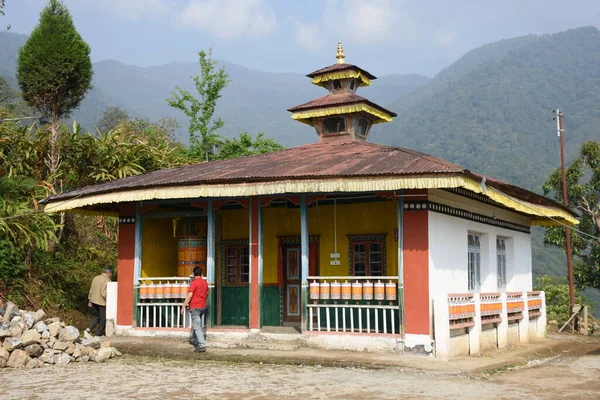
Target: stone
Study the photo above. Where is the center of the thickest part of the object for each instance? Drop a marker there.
(46, 335)
(87, 334)
(18, 358)
(39, 315)
(34, 350)
(47, 357)
(85, 351)
(109, 329)
(9, 310)
(68, 334)
(34, 363)
(29, 320)
(103, 354)
(70, 349)
(16, 328)
(62, 359)
(4, 353)
(41, 327)
(76, 353)
(4, 333)
(54, 328)
(117, 352)
(105, 343)
(93, 354)
(12, 343)
(84, 358)
(92, 342)
(51, 320)
(60, 345)
(3, 363)
(30, 337)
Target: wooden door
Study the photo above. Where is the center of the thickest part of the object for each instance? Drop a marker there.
(292, 267)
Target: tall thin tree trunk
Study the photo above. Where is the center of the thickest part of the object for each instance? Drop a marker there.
(53, 165)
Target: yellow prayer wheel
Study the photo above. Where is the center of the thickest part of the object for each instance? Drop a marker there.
(314, 290)
(357, 290)
(143, 291)
(336, 291)
(390, 291)
(183, 290)
(379, 290)
(367, 291)
(346, 291)
(160, 291)
(324, 288)
(151, 291)
(168, 291)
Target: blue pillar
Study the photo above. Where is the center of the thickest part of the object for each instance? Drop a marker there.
(304, 251)
(210, 263)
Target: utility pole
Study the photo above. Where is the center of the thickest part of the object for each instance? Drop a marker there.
(560, 129)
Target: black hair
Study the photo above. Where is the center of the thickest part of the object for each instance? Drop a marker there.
(108, 269)
(197, 271)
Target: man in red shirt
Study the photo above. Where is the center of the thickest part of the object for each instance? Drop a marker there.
(196, 299)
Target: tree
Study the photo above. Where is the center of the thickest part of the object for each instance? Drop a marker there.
(204, 140)
(54, 71)
(583, 185)
(244, 145)
(111, 117)
(6, 92)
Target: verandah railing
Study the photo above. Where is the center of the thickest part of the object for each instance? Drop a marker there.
(365, 304)
(159, 301)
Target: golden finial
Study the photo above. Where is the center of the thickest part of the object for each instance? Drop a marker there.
(340, 54)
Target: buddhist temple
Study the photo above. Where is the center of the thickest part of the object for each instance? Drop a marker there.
(346, 243)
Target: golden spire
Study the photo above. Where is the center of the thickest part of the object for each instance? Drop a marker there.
(340, 54)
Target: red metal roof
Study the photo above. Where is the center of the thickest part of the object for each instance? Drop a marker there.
(327, 159)
(338, 99)
(341, 67)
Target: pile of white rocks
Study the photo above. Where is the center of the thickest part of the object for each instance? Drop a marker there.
(31, 340)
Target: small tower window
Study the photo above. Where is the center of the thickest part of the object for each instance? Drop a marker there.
(337, 84)
(334, 125)
(352, 85)
(361, 127)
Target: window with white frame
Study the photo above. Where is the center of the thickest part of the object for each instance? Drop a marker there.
(501, 261)
(474, 262)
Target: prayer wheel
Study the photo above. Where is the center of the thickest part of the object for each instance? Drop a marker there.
(379, 290)
(143, 291)
(159, 291)
(357, 290)
(183, 290)
(367, 291)
(314, 290)
(169, 291)
(346, 291)
(324, 295)
(390, 291)
(151, 291)
(336, 291)
(191, 253)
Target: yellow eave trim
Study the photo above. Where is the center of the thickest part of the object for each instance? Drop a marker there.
(320, 80)
(540, 215)
(306, 116)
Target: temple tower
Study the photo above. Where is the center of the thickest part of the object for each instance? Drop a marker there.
(341, 113)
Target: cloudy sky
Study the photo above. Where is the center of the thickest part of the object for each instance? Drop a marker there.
(385, 36)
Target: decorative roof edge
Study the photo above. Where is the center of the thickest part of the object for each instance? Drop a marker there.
(320, 80)
(305, 116)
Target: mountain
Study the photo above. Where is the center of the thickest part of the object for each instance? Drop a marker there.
(253, 102)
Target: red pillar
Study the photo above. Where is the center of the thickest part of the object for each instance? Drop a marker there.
(125, 271)
(416, 271)
(254, 268)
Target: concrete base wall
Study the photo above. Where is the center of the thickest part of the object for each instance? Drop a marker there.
(533, 328)
(375, 344)
(513, 333)
(489, 337)
(459, 345)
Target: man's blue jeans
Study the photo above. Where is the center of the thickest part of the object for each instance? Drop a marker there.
(196, 333)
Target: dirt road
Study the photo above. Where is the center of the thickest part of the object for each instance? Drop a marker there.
(133, 377)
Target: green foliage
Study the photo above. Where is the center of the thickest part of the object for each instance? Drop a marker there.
(245, 145)
(204, 140)
(112, 117)
(583, 186)
(557, 297)
(54, 67)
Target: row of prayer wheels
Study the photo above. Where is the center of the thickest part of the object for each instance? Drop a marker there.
(353, 290)
(164, 290)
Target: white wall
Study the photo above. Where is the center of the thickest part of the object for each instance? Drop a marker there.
(448, 256)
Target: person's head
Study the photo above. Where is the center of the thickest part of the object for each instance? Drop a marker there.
(197, 271)
(108, 271)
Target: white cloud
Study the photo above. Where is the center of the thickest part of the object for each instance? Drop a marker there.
(367, 20)
(308, 36)
(445, 38)
(136, 9)
(226, 19)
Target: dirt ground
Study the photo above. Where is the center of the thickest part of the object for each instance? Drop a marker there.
(571, 370)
